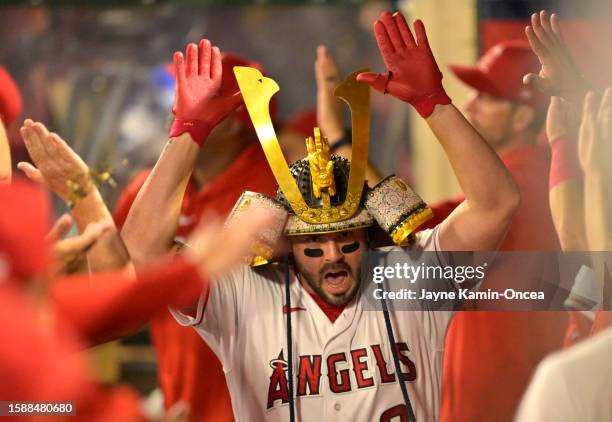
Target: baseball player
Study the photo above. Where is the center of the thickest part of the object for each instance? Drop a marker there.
(294, 339)
(10, 108)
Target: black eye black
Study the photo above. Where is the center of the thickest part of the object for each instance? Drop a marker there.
(351, 247)
(313, 252)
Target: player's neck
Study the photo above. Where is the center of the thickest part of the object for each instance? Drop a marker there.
(332, 311)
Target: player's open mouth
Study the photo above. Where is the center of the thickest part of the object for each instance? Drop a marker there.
(336, 280)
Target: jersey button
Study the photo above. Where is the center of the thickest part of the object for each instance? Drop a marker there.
(337, 407)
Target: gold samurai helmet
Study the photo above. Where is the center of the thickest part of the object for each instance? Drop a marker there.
(323, 192)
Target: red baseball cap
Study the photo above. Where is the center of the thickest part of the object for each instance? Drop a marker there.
(229, 84)
(11, 102)
(500, 71)
(24, 223)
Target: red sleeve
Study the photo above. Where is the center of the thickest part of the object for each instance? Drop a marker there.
(441, 210)
(127, 197)
(108, 306)
(603, 320)
(36, 366)
(119, 404)
(578, 328)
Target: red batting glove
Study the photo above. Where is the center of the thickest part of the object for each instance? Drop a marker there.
(198, 107)
(413, 74)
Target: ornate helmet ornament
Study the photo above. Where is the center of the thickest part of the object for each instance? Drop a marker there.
(324, 193)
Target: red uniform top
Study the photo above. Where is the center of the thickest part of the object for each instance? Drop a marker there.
(107, 306)
(38, 359)
(188, 370)
(578, 328)
(490, 356)
(42, 365)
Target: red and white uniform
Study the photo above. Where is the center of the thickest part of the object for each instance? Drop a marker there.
(344, 370)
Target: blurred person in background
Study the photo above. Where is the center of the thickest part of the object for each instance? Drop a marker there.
(482, 347)
(560, 78)
(575, 384)
(327, 116)
(579, 179)
(40, 360)
(49, 320)
(230, 162)
(329, 113)
(10, 109)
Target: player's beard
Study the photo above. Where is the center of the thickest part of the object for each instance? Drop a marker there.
(315, 281)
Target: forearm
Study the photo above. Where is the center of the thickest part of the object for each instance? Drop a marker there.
(5, 156)
(486, 183)
(153, 218)
(90, 209)
(598, 202)
(112, 305)
(108, 253)
(565, 186)
(566, 205)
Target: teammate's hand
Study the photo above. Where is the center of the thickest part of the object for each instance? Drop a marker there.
(216, 248)
(562, 119)
(595, 138)
(6, 163)
(558, 75)
(198, 80)
(56, 165)
(69, 254)
(413, 74)
(329, 108)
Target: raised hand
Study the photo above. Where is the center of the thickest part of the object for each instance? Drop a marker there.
(238, 238)
(558, 75)
(56, 165)
(413, 74)
(5, 157)
(329, 108)
(198, 80)
(595, 139)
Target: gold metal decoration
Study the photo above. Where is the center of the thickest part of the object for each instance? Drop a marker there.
(261, 254)
(321, 167)
(82, 184)
(257, 92)
(76, 191)
(401, 235)
(102, 174)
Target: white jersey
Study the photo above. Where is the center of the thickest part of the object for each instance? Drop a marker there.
(572, 385)
(343, 371)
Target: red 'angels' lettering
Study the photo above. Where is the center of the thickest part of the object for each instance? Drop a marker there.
(341, 378)
(278, 381)
(309, 375)
(395, 414)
